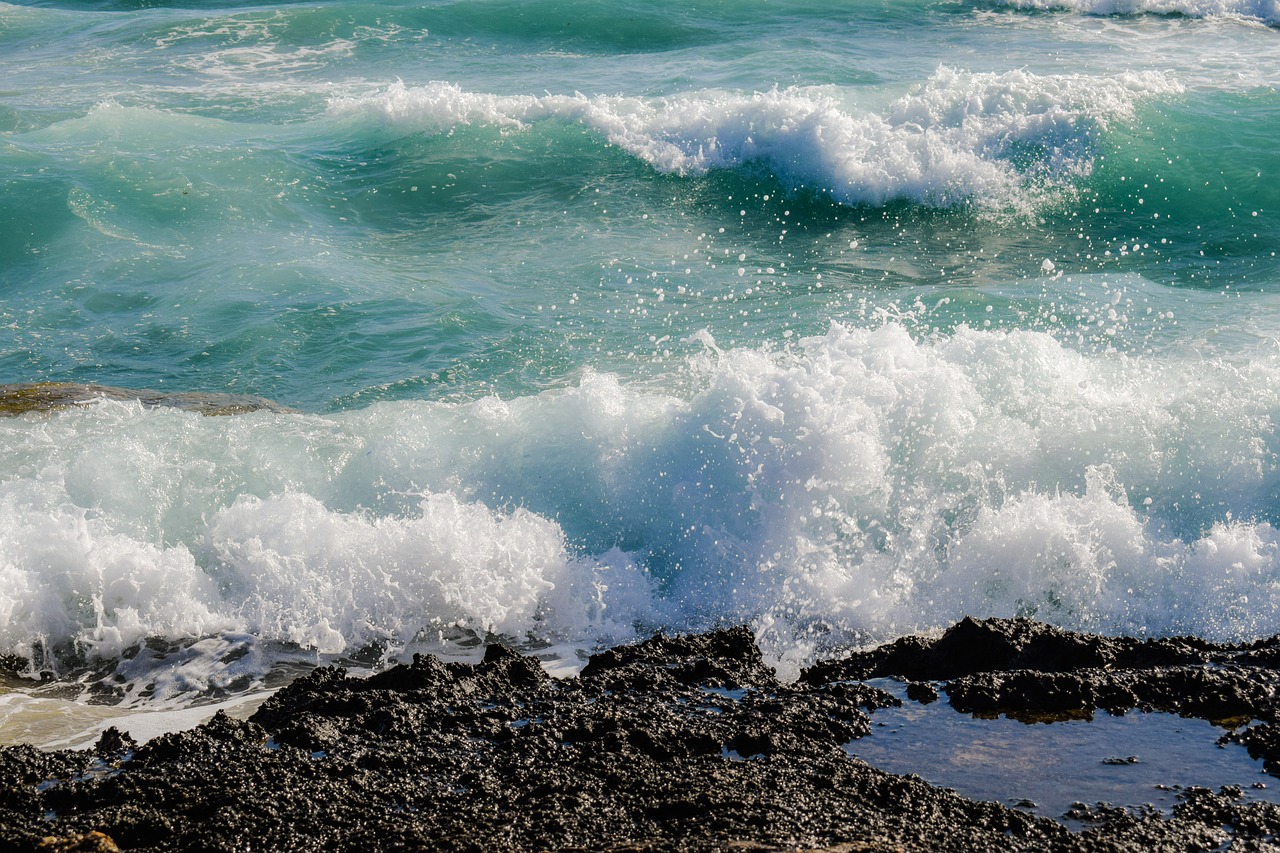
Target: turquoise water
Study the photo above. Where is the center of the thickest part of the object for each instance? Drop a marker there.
(841, 319)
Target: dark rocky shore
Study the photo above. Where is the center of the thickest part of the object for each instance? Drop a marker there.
(674, 744)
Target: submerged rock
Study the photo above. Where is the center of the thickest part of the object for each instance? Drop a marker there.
(677, 743)
(21, 398)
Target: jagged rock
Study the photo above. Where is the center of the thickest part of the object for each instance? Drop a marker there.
(676, 743)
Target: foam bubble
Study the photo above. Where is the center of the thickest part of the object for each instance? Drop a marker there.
(992, 140)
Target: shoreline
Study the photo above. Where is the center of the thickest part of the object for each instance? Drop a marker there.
(675, 743)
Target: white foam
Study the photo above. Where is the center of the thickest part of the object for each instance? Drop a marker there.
(951, 141)
(858, 485)
(265, 58)
(52, 723)
(71, 579)
(324, 579)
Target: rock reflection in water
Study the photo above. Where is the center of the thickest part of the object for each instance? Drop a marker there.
(1136, 760)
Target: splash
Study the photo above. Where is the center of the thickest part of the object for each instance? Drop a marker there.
(852, 487)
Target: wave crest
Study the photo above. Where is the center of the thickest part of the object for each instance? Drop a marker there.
(1267, 11)
(994, 141)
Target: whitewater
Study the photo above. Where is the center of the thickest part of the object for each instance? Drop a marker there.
(593, 319)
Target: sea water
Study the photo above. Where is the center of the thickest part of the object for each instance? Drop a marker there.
(1062, 768)
(841, 320)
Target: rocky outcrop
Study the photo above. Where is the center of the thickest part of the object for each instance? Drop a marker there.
(677, 743)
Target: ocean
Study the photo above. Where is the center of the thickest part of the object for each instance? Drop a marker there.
(842, 320)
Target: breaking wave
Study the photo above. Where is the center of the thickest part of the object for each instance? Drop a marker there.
(993, 141)
(853, 487)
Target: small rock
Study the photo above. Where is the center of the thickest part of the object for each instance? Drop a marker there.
(114, 743)
(88, 842)
(922, 692)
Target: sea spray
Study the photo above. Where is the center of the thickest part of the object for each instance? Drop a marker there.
(849, 488)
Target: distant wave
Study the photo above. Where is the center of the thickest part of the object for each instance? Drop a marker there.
(995, 141)
(1267, 11)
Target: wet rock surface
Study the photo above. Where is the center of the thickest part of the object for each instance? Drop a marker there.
(1025, 668)
(23, 397)
(678, 743)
